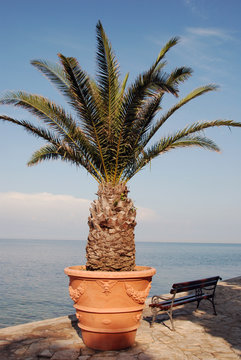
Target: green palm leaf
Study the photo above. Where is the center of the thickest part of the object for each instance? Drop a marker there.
(166, 144)
(172, 42)
(182, 138)
(51, 114)
(65, 153)
(151, 107)
(107, 75)
(192, 95)
(113, 125)
(55, 73)
(36, 131)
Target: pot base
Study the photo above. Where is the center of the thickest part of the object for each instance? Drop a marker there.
(108, 341)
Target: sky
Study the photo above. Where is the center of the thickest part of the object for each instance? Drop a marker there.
(188, 195)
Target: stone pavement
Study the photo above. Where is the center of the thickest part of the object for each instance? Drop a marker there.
(198, 335)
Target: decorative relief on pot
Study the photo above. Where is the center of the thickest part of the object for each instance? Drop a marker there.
(106, 321)
(75, 294)
(138, 296)
(78, 315)
(106, 285)
(137, 318)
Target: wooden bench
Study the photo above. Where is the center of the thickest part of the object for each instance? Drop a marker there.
(198, 290)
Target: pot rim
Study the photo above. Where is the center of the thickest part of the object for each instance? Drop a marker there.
(80, 271)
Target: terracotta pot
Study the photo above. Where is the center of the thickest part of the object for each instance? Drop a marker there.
(109, 304)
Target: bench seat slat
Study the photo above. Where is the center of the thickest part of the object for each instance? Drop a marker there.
(165, 305)
(193, 282)
(191, 285)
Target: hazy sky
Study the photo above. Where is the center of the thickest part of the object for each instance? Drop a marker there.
(187, 195)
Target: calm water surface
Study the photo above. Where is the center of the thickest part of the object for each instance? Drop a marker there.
(34, 287)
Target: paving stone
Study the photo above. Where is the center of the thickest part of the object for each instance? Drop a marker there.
(32, 340)
(109, 353)
(70, 354)
(87, 351)
(206, 356)
(227, 356)
(191, 356)
(135, 350)
(63, 344)
(20, 351)
(4, 357)
(102, 357)
(36, 348)
(144, 339)
(143, 356)
(3, 343)
(124, 356)
(46, 353)
(191, 348)
(158, 356)
(84, 357)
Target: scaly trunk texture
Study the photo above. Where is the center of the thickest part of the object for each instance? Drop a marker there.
(111, 245)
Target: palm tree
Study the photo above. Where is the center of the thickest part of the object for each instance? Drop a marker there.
(111, 136)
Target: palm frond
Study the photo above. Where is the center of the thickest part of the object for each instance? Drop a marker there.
(192, 95)
(34, 130)
(141, 91)
(119, 102)
(51, 114)
(179, 75)
(84, 102)
(107, 75)
(65, 153)
(79, 88)
(166, 144)
(147, 82)
(182, 138)
(151, 106)
(55, 73)
(199, 126)
(131, 125)
(177, 140)
(46, 152)
(172, 42)
(79, 144)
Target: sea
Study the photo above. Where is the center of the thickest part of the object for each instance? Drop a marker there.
(33, 285)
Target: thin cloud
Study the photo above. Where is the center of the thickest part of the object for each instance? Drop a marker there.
(146, 214)
(49, 216)
(196, 9)
(210, 32)
(207, 49)
(43, 216)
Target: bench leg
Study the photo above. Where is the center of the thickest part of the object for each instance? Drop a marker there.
(198, 302)
(154, 314)
(171, 319)
(212, 302)
(214, 309)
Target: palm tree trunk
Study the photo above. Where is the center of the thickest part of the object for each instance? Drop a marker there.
(111, 245)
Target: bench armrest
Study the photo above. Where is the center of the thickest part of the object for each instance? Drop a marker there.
(157, 298)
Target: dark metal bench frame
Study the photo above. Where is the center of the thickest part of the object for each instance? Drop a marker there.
(198, 291)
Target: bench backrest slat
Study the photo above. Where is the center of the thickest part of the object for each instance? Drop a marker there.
(191, 285)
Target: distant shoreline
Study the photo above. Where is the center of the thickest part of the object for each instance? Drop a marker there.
(137, 241)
